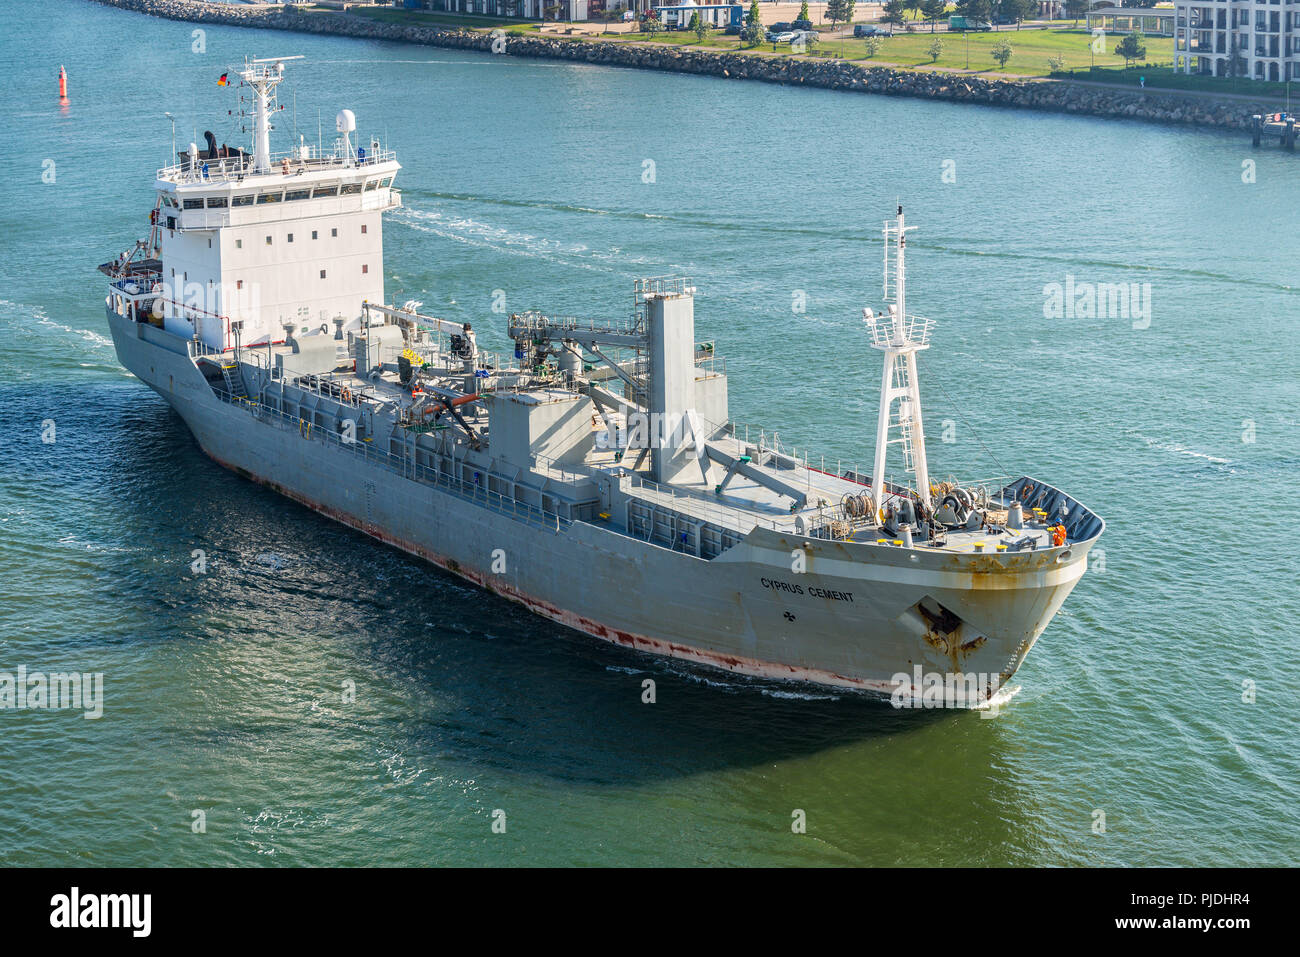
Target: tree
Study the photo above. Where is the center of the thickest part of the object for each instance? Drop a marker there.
(974, 9)
(1002, 52)
(936, 50)
(1056, 63)
(650, 22)
(1131, 48)
(1075, 9)
(1237, 65)
(803, 12)
(933, 10)
(837, 11)
(752, 32)
(849, 6)
(873, 46)
(895, 12)
(1016, 10)
(701, 29)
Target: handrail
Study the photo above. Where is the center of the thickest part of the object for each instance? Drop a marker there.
(224, 169)
(521, 511)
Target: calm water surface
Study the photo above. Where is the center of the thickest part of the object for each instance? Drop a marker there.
(223, 690)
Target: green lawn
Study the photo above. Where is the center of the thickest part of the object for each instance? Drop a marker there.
(1032, 47)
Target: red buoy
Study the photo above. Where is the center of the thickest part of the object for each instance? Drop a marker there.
(63, 84)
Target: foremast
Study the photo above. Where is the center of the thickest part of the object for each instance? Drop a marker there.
(900, 337)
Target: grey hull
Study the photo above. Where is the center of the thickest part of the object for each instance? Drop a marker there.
(849, 618)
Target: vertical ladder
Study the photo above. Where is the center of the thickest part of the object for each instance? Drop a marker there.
(234, 380)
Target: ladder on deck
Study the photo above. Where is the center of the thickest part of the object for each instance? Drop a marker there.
(234, 379)
(902, 421)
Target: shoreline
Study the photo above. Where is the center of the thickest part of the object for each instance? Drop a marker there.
(1055, 96)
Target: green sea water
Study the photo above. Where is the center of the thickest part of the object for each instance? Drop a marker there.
(1163, 696)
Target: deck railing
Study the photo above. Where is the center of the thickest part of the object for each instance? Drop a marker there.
(224, 169)
(405, 467)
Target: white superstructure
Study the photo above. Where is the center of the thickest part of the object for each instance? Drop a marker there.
(253, 244)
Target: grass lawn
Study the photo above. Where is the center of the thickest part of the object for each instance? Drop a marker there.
(1031, 50)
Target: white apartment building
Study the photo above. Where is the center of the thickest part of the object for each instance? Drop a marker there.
(1264, 34)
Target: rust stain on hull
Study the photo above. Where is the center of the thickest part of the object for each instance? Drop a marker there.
(746, 666)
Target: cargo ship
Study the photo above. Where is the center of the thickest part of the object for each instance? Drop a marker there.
(591, 471)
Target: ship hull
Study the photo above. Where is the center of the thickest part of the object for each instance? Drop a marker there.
(836, 614)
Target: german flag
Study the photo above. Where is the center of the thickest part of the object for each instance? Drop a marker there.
(224, 81)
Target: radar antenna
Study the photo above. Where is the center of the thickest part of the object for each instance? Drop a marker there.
(264, 75)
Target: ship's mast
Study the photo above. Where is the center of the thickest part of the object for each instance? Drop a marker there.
(900, 337)
(263, 76)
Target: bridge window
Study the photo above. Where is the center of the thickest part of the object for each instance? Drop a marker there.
(351, 188)
(264, 198)
(242, 200)
(322, 273)
(296, 194)
(216, 202)
(325, 191)
(193, 204)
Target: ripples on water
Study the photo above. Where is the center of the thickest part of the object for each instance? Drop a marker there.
(225, 689)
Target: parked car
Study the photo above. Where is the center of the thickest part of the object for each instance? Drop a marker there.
(785, 36)
(801, 24)
(808, 36)
(733, 29)
(968, 25)
(867, 30)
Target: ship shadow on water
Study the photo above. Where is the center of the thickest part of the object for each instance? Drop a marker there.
(559, 703)
(469, 678)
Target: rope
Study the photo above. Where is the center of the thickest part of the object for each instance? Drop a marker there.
(1002, 469)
